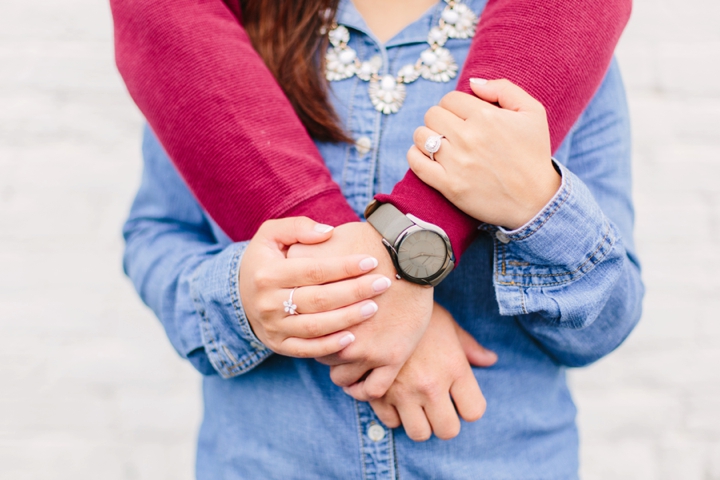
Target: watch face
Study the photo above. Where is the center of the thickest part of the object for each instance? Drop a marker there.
(422, 254)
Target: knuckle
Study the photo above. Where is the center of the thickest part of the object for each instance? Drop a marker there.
(344, 355)
(432, 113)
(361, 292)
(454, 189)
(315, 273)
(391, 421)
(338, 378)
(395, 356)
(451, 98)
(428, 388)
(448, 432)
(300, 351)
(476, 412)
(319, 301)
(419, 435)
(312, 328)
(299, 222)
(414, 157)
(350, 268)
(263, 278)
(417, 135)
(374, 391)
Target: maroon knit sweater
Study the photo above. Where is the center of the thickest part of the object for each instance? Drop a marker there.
(231, 132)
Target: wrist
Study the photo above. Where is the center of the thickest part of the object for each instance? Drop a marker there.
(372, 240)
(544, 189)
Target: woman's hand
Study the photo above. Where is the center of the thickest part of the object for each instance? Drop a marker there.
(494, 162)
(436, 384)
(333, 296)
(386, 341)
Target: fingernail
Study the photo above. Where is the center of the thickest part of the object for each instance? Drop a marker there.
(478, 81)
(381, 284)
(346, 390)
(347, 340)
(368, 309)
(368, 264)
(492, 354)
(322, 228)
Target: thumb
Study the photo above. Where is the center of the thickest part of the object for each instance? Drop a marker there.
(505, 94)
(288, 231)
(476, 354)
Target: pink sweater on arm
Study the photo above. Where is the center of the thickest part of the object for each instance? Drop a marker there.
(235, 138)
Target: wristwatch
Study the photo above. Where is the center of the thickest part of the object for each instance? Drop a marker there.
(420, 251)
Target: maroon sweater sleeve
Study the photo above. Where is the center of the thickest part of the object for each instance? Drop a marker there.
(556, 50)
(237, 142)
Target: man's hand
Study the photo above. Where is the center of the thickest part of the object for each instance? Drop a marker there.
(420, 397)
(384, 342)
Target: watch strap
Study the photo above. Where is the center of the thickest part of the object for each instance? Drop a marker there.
(389, 222)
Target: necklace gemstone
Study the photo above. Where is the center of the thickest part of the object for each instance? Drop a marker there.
(387, 92)
(347, 56)
(450, 16)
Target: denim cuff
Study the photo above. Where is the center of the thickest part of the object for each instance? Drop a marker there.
(565, 241)
(229, 342)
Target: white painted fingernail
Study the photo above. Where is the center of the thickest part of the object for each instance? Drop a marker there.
(368, 264)
(369, 309)
(381, 284)
(322, 228)
(478, 81)
(347, 340)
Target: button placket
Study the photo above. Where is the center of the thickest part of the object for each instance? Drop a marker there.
(377, 452)
(359, 168)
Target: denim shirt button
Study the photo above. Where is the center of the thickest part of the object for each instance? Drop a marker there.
(502, 236)
(363, 145)
(376, 432)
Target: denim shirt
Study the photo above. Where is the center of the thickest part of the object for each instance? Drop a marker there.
(562, 291)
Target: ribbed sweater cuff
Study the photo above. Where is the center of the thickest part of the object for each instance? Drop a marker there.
(413, 196)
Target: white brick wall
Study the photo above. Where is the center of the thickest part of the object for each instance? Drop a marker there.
(91, 388)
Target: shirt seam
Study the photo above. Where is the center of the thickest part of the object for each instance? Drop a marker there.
(606, 240)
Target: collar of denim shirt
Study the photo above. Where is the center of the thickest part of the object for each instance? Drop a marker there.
(416, 32)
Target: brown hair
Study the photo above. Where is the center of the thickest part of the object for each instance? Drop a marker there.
(286, 34)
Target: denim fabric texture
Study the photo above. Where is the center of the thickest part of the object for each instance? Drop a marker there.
(562, 291)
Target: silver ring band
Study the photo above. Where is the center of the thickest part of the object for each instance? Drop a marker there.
(290, 307)
(433, 144)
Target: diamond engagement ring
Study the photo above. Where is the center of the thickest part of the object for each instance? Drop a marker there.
(432, 145)
(290, 307)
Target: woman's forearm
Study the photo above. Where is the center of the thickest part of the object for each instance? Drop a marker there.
(236, 140)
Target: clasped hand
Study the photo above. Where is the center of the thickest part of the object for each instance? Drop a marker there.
(494, 164)
(332, 307)
(495, 160)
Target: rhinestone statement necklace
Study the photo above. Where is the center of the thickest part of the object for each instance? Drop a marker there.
(436, 63)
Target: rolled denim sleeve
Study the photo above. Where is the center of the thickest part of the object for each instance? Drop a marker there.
(186, 271)
(227, 337)
(570, 276)
(566, 241)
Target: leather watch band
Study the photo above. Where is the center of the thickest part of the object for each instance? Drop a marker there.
(389, 222)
